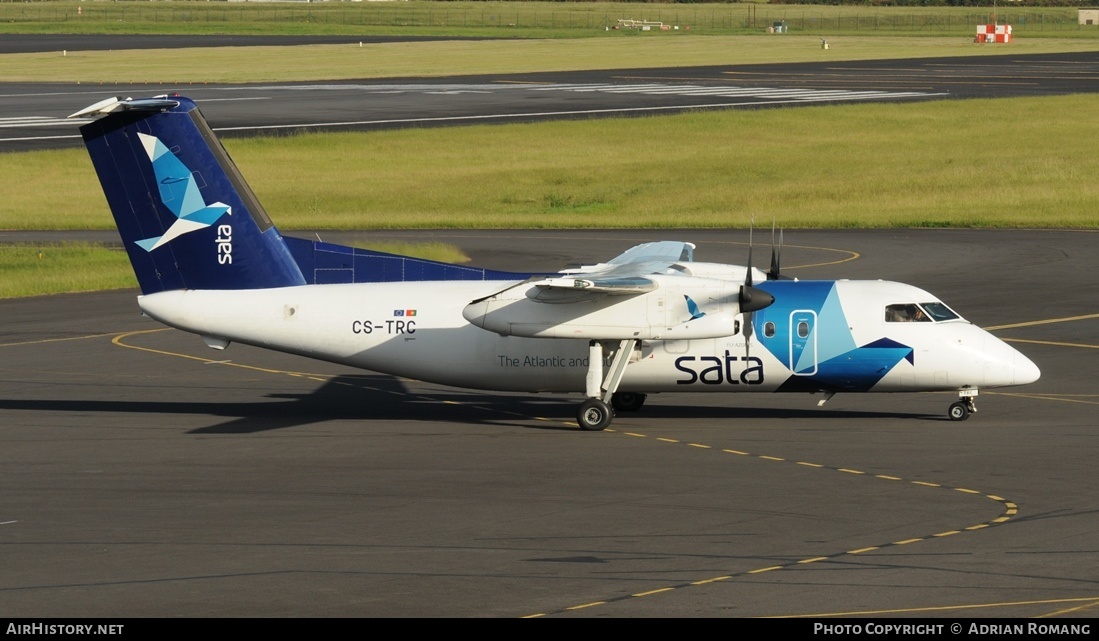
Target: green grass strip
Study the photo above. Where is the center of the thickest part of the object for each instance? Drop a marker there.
(31, 270)
(513, 18)
(59, 268)
(959, 163)
(459, 57)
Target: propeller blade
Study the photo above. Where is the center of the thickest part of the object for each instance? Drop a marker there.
(752, 298)
(748, 275)
(776, 255)
(749, 329)
(746, 291)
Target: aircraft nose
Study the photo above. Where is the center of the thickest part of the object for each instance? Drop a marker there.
(1025, 370)
(1005, 365)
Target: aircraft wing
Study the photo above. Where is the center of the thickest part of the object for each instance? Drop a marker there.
(647, 258)
(615, 300)
(624, 275)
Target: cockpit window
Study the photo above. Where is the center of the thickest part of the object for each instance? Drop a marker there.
(939, 312)
(922, 313)
(905, 313)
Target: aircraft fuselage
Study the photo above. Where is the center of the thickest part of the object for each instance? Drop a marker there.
(829, 336)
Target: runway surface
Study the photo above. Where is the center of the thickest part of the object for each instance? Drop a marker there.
(33, 115)
(145, 475)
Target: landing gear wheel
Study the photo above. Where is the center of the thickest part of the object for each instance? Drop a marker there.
(594, 415)
(627, 401)
(958, 411)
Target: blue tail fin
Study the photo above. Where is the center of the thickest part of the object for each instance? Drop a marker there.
(186, 216)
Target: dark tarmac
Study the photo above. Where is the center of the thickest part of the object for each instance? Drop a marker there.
(145, 475)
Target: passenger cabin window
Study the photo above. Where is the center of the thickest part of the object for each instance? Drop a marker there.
(803, 329)
(768, 329)
(906, 313)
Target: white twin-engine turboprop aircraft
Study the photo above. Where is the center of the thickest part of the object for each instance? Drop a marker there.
(209, 261)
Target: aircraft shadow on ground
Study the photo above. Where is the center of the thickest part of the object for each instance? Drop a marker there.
(369, 399)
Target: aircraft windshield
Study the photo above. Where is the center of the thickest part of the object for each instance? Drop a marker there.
(922, 313)
(939, 312)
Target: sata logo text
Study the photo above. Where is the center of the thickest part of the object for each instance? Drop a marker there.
(224, 242)
(712, 370)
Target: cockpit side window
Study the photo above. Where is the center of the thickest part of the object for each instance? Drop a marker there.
(906, 313)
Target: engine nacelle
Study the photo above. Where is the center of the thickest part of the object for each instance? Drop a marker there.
(662, 314)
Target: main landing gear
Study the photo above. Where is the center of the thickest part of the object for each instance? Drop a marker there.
(597, 412)
(627, 401)
(960, 410)
(594, 415)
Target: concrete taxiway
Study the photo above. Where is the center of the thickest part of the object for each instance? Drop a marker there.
(145, 475)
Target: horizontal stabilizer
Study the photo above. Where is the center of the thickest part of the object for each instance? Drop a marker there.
(111, 105)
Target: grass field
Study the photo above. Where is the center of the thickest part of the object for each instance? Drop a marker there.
(58, 268)
(926, 164)
(30, 270)
(855, 165)
(516, 19)
(450, 58)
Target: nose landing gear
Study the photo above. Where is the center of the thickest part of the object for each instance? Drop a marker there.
(960, 410)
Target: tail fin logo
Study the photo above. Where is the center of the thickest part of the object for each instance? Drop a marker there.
(180, 193)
